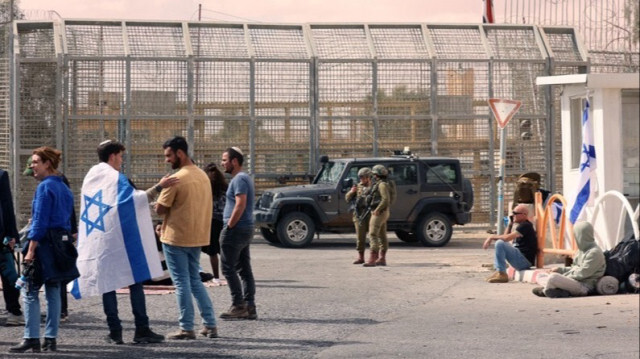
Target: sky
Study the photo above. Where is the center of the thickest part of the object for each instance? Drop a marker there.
(267, 11)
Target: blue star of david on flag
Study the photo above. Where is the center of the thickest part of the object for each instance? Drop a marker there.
(103, 208)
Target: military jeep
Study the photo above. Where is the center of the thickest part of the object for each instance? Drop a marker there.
(432, 195)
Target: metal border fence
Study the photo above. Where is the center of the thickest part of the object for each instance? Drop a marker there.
(286, 94)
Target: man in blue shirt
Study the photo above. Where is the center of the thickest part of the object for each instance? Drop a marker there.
(236, 238)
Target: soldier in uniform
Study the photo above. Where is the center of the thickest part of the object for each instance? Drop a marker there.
(361, 214)
(380, 206)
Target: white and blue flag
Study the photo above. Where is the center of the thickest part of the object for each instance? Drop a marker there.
(116, 241)
(587, 165)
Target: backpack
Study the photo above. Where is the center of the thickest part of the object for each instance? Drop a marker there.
(623, 259)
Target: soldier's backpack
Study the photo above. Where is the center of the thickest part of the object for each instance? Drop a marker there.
(623, 259)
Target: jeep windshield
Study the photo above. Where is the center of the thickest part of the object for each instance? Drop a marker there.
(330, 172)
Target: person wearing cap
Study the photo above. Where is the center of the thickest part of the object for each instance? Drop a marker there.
(9, 236)
(187, 210)
(361, 215)
(236, 238)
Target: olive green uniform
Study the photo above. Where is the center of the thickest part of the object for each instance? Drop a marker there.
(361, 224)
(378, 224)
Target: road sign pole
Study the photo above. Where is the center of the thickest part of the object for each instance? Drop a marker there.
(503, 110)
(503, 160)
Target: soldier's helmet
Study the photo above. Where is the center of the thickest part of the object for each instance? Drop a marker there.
(364, 172)
(380, 170)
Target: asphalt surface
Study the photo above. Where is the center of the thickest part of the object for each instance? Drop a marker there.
(427, 303)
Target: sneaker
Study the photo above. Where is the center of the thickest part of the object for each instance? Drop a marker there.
(557, 293)
(182, 335)
(114, 337)
(252, 314)
(210, 332)
(205, 277)
(498, 277)
(539, 291)
(14, 320)
(145, 336)
(216, 281)
(64, 317)
(235, 312)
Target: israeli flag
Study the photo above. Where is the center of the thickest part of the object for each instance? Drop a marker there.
(116, 241)
(587, 164)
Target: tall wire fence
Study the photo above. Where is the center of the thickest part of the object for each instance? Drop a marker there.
(286, 94)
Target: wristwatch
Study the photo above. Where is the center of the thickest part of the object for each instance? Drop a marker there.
(158, 188)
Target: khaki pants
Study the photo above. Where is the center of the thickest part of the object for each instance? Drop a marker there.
(557, 280)
(362, 228)
(378, 232)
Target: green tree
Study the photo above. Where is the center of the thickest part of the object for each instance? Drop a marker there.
(5, 11)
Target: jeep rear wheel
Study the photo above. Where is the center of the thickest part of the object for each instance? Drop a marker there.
(295, 230)
(269, 235)
(406, 236)
(434, 230)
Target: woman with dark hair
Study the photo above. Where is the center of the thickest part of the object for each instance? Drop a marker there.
(50, 230)
(218, 188)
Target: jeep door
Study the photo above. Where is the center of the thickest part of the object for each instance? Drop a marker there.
(405, 176)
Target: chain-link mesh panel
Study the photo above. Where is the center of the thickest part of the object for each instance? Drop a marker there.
(282, 89)
(38, 123)
(611, 62)
(97, 88)
(396, 134)
(475, 166)
(463, 88)
(340, 42)
(36, 42)
(346, 137)
(398, 42)
(404, 88)
(222, 88)
(282, 146)
(563, 45)
(345, 89)
(221, 41)
(513, 43)
(156, 41)
(214, 135)
(517, 81)
(281, 43)
(457, 42)
(158, 88)
(94, 40)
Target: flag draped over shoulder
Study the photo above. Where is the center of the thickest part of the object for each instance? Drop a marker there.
(587, 165)
(116, 241)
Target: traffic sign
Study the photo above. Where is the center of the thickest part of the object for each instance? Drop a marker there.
(503, 110)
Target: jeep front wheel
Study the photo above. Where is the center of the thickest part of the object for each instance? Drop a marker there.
(434, 230)
(269, 235)
(295, 230)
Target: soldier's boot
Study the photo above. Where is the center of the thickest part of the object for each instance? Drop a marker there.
(382, 260)
(373, 257)
(360, 258)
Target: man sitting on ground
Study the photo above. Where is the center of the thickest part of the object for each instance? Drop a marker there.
(521, 255)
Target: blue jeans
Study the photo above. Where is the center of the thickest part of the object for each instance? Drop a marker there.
(32, 310)
(138, 307)
(236, 264)
(184, 264)
(505, 252)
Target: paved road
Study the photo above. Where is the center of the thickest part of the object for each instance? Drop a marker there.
(427, 303)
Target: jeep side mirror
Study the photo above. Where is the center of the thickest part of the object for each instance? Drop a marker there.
(347, 183)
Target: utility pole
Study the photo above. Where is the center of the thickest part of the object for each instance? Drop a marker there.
(199, 12)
